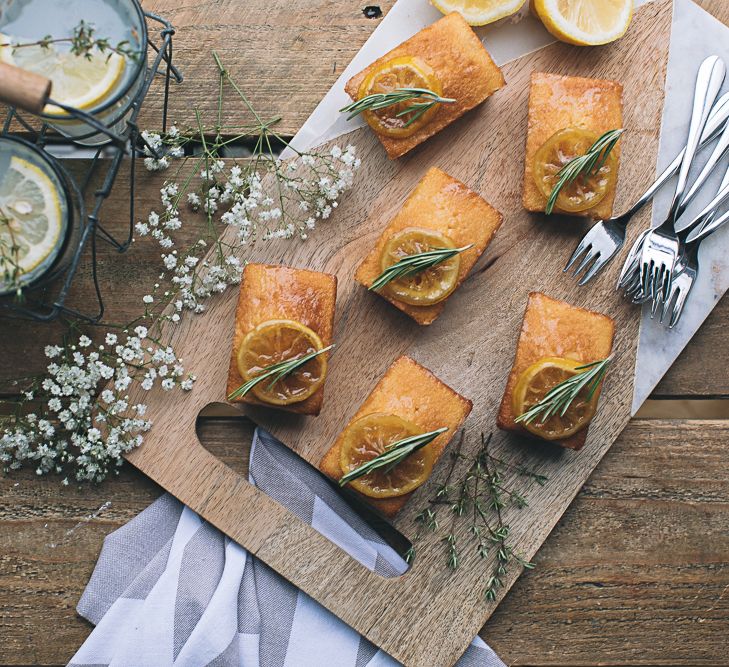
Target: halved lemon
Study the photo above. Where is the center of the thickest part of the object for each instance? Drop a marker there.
(480, 12)
(82, 81)
(536, 381)
(393, 75)
(31, 214)
(585, 22)
(583, 193)
(426, 287)
(282, 340)
(372, 435)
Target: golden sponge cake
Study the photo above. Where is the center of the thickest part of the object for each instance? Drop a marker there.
(440, 203)
(279, 292)
(412, 392)
(557, 102)
(464, 67)
(553, 328)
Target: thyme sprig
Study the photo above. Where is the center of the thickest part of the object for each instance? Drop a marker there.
(558, 399)
(377, 101)
(413, 264)
(83, 41)
(584, 165)
(478, 497)
(395, 454)
(277, 372)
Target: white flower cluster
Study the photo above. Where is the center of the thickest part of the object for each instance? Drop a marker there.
(164, 147)
(77, 431)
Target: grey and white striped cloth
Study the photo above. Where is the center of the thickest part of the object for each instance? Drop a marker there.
(170, 589)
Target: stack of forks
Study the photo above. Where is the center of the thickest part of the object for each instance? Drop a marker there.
(663, 264)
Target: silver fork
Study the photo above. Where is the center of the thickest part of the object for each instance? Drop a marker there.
(606, 237)
(634, 288)
(660, 247)
(687, 265)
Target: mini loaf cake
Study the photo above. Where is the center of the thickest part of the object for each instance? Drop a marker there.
(555, 329)
(283, 313)
(410, 392)
(446, 206)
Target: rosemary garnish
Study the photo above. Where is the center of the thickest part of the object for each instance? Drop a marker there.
(478, 498)
(558, 399)
(276, 372)
(395, 454)
(83, 41)
(412, 264)
(584, 165)
(378, 101)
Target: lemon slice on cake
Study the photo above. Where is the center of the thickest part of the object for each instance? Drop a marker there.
(480, 12)
(31, 216)
(82, 81)
(585, 22)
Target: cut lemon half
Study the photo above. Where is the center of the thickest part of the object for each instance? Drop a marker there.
(585, 192)
(404, 72)
(585, 22)
(426, 287)
(82, 81)
(31, 214)
(533, 385)
(372, 435)
(275, 341)
(480, 12)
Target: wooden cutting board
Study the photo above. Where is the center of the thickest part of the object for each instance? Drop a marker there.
(429, 615)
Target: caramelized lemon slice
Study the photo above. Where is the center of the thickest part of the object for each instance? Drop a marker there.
(403, 72)
(585, 22)
(583, 193)
(426, 287)
(81, 81)
(282, 340)
(370, 436)
(534, 383)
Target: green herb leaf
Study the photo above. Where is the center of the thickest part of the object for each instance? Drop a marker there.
(276, 372)
(395, 454)
(584, 165)
(378, 101)
(412, 264)
(558, 399)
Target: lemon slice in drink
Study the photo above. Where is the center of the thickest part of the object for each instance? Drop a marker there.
(31, 220)
(82, 81)
(585, 22)
(480, 12)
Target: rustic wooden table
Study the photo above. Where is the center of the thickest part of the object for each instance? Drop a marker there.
(637, 571)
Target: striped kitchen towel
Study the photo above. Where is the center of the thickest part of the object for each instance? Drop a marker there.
(170, 589)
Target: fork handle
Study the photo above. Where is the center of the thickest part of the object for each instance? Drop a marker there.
(717, 121)
(708, 83)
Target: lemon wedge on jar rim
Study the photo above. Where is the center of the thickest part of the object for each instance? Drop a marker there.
(480, 12)
(82, 81)
(585, 22)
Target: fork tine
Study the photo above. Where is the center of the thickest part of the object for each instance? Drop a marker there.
(669, 305)
(678, 308)
(587, 259)
(582, 247)
(596, 267)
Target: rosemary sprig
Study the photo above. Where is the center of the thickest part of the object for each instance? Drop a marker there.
(558, 399)
(412, 264)
(395, 454)
(276, 372)
(378, 101)
(584, 165)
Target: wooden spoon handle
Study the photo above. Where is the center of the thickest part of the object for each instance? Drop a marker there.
(23, 89)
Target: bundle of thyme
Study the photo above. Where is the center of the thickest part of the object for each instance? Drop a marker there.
(478, 498)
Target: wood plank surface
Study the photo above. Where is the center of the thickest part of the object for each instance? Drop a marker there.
(635, 573)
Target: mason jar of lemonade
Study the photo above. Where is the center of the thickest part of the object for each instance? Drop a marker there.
(36, 214)
(93, 51)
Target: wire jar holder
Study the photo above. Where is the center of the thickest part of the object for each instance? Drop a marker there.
(114, 139)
